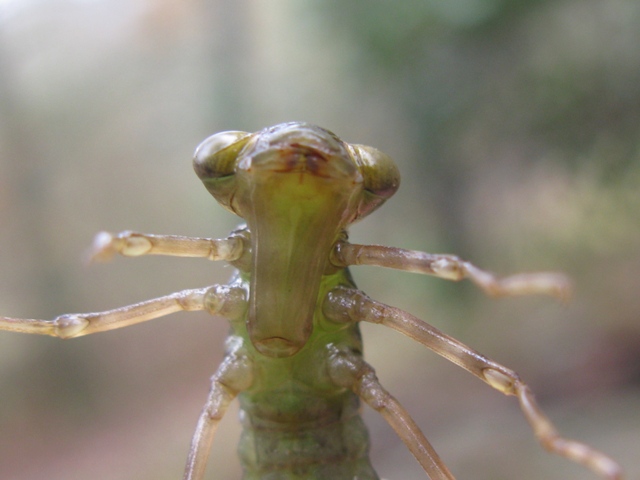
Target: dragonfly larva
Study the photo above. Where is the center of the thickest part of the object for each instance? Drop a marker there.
(294, 354)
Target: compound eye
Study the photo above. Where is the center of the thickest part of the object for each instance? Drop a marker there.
(381, 177)
(216, 156)
(215, 164)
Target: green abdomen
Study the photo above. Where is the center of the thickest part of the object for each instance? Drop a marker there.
(295, 434)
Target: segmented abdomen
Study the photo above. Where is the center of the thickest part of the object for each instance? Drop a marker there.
(324, 438)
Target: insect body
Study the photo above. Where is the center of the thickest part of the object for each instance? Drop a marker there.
(294, 355)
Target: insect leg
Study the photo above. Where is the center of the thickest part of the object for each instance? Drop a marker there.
(346, 305)
(234, 375)
(217, 299)
(132, 244)
(351, 371)
(450, 267)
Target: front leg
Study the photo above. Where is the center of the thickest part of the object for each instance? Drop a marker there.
(132, 244)
(221, 300)
(451, 267)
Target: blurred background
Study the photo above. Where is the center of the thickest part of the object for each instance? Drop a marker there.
(515, 125)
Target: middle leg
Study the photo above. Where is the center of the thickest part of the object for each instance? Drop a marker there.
(349, 305)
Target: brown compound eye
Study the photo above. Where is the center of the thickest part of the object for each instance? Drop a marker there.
(381, 177)
(215, 163)
(216, 156)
